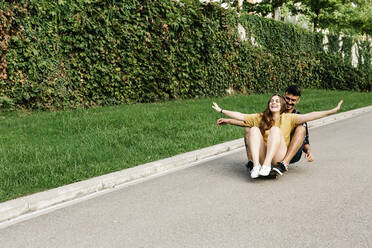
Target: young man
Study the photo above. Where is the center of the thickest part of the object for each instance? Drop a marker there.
(299, 137)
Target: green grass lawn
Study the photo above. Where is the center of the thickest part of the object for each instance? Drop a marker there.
(44, 150)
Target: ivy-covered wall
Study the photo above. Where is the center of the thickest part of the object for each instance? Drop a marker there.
(83, 53)
(312, 62)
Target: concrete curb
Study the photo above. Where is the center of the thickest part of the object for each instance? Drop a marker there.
(23, 205)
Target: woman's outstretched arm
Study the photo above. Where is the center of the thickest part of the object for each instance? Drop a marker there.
(316, 115)
(231, 114)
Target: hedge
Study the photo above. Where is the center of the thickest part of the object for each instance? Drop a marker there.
(307, 60)
(84, 53)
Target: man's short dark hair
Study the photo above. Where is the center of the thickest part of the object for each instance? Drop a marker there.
(293, 90)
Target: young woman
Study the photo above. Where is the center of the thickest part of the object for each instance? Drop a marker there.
(270, 131)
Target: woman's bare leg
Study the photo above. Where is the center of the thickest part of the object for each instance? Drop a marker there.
(257, 148)
(246, 142)
(275, 150)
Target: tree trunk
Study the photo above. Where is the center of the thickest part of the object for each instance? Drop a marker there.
(240, 5)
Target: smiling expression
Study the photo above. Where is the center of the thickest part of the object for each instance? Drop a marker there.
(291, 101)
(274, 104)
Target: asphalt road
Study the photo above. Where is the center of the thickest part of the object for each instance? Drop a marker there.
(326, 203)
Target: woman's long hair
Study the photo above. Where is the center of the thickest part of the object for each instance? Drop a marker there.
(267, 120)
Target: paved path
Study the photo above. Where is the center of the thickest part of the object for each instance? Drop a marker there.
(327, 203)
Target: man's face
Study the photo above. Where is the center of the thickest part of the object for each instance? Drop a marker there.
(291, 101)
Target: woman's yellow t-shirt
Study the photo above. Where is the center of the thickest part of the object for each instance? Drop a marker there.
(286, 123)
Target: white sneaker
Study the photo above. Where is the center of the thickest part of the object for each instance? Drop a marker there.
(255, 171)
(265, 170)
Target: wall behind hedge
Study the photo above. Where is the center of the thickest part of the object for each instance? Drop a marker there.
(67, 54)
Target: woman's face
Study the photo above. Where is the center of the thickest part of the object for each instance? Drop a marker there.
(274, 104)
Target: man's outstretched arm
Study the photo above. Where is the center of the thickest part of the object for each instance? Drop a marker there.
(223, 121)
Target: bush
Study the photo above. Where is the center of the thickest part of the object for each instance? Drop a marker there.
(68, 54)
(6, 104)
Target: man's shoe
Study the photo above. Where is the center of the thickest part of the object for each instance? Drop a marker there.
(265, 170)
(249, 165)
(283, 166)
(280, 168)
(255, 172)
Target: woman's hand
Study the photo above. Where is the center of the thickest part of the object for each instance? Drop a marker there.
(222, 121)
(302, 118)
(231, 114)
(215, 107)
(339, 105)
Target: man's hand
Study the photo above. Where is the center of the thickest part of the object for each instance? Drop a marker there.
(309, 156)
(222, 121)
